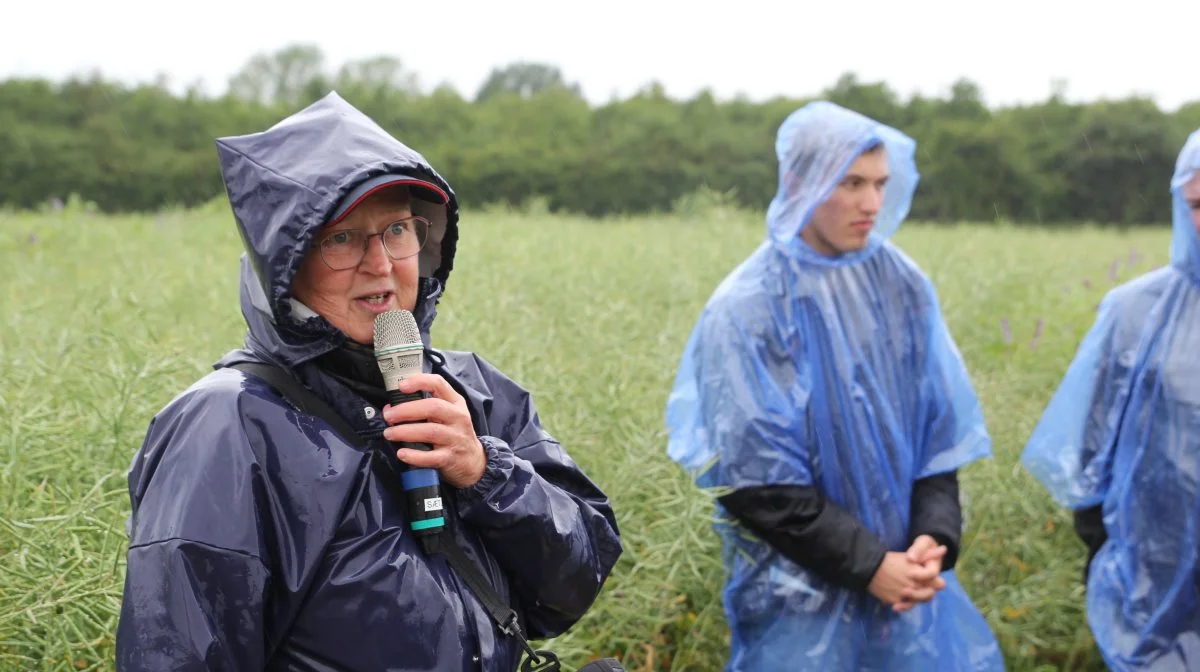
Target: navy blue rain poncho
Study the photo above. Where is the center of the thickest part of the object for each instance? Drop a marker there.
(260, 540)
(1121, 436)
(837, 376)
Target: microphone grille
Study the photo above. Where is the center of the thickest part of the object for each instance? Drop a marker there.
(396, 327)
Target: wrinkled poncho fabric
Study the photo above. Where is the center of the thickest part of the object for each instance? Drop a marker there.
(838, 373)
(1123, 432)
(261, 540)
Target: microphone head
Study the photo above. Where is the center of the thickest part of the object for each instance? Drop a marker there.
(399, 351)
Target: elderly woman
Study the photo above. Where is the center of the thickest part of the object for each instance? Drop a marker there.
(261, 539)
(1118, 445)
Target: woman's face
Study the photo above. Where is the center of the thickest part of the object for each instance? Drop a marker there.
(1191, 196)
(350, 298)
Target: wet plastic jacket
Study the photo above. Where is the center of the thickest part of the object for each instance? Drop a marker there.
(260, 540)
(836, 375)
(1122, 433)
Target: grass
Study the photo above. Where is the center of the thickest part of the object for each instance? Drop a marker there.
(105, 319)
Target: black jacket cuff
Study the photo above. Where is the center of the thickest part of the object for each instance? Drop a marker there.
(936, 511)
(809, 530)
(1089, 525)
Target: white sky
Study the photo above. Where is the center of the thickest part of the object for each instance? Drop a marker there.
(1012, 50)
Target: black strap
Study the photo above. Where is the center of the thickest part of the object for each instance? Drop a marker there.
(504, 616)
(300, 396)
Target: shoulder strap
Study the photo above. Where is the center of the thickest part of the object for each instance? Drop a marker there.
(299, 396)
(504, 616)
(291, 389)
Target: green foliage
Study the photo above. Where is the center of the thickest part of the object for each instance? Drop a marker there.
(524, 80)
(528, 133)
(104, 319)
(706, 202)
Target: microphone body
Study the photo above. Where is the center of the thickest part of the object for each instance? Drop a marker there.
(400, 353)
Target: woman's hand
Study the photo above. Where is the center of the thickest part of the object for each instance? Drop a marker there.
(442, 421)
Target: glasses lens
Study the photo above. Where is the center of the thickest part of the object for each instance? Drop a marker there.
(402, 239)
(406, 237)
(342, 250)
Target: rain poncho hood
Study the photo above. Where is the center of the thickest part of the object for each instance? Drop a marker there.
(282, 188)
(1122, 432)
(260, 539)
(837, 373)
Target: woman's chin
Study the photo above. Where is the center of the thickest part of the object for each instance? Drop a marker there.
(362, 330)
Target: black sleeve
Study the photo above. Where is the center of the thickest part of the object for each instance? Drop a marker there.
(810, 531)
(1089, 525)
(937, 512)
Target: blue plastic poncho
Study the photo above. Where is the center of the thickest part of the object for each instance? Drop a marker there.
(1123, 432)
(839, 373)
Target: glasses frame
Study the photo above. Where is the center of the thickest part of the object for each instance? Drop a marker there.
(414, 219)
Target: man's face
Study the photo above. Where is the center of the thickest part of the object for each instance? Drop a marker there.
(351, 298)
(841, 224)
(1191, 196)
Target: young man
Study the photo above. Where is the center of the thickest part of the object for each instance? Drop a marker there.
(823, 395)
(1118, 444)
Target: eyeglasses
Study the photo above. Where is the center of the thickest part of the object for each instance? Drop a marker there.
(402, 239)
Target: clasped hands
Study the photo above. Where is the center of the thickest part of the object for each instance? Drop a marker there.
(907, 578)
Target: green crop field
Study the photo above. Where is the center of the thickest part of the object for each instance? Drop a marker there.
(104, 319)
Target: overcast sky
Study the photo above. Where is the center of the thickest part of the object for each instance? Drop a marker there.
(1012, 49)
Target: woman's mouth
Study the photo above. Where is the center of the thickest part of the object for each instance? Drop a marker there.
(375, 303)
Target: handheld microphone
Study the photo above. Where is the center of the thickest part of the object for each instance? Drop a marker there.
(400, 353)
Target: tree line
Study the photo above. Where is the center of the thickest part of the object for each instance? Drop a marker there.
(529, 135)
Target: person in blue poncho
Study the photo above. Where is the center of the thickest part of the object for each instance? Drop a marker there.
(822, 398)
(262, 537)
(1119, 444)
